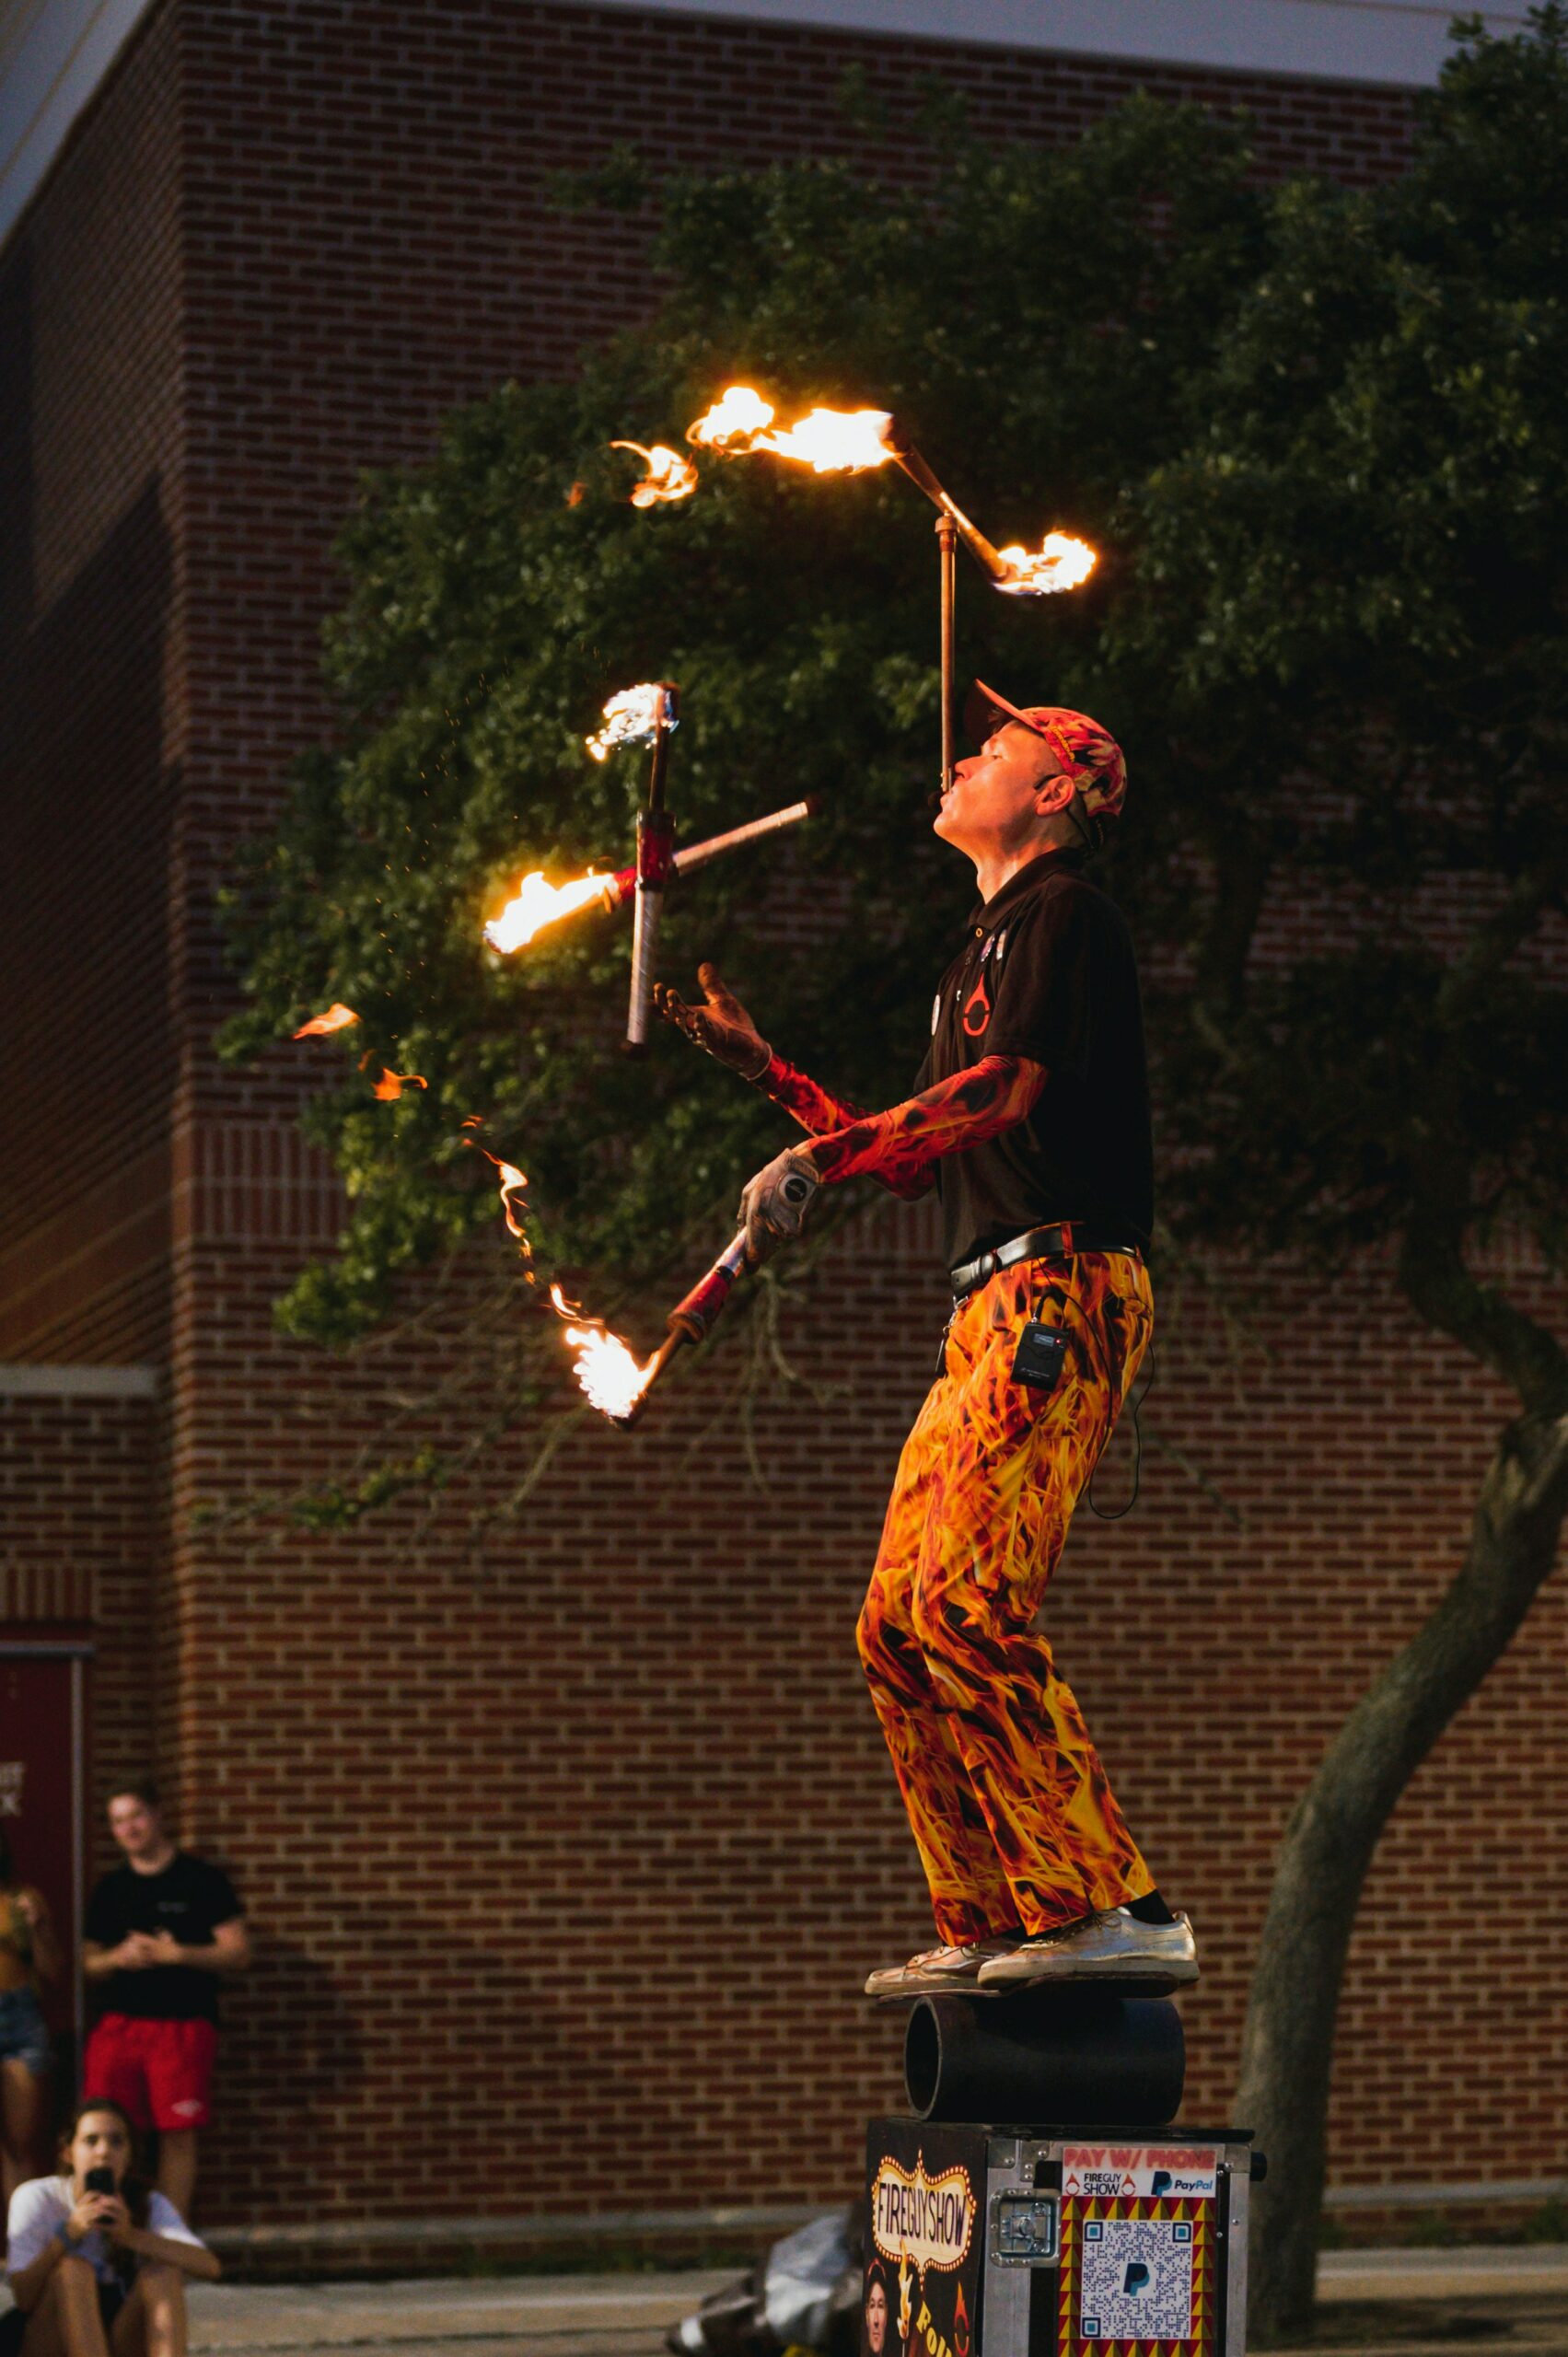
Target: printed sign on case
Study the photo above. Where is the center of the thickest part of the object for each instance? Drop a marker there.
(1184, 2172)
(924, 2251)
(925, 2221)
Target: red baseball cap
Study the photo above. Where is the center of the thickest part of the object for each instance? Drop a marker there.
(1088, 753)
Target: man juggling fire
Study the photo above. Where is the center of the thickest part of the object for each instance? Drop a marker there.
(1031, 1120)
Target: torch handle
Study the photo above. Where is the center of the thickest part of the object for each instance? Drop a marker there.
(692, 855)
(667, 716)
(691, 1320)
(986, 556)
(619, 888)
(656, 864)
(644, 958)
(696, 1316)
(656, 1364)
(946, 544)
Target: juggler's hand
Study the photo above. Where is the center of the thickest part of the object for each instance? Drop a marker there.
(720, 1024)
(774, 1203)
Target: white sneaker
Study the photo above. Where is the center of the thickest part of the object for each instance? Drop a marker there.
(936, 1969)
(1112, 1945)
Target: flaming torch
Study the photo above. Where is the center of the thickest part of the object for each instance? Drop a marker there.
(655, 849)
(607, 1369)
(850, 441)
(641, 715)
(536, 904)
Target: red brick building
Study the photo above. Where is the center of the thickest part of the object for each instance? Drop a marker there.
(249, 250)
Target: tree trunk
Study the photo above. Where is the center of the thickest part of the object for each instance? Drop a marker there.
(1287, 2043)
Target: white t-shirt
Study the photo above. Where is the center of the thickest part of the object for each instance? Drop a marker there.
(45, 2202)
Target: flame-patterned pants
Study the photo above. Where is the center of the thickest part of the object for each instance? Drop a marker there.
(1011, 1812)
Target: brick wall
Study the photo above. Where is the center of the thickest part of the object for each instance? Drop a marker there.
(90, 684)
(531, 1813)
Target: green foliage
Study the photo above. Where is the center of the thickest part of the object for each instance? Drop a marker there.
(1319, 437)
(1354, 587)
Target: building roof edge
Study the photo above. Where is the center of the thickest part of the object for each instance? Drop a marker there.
(55, 54)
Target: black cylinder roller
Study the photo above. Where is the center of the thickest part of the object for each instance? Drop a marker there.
(1084, 2055)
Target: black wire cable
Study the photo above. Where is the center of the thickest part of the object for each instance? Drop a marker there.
(1098, 1512)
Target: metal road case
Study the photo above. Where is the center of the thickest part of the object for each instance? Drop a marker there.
(1055, 2242)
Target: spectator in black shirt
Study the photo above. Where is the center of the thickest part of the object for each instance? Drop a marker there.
(1032, 1121)
(160, 1930)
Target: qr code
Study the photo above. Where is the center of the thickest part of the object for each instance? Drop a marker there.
(1135, 2280)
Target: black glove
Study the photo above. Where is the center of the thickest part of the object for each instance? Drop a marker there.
(774, 1203)
(720, 1024)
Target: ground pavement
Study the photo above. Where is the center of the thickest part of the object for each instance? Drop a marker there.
(1407, 2302)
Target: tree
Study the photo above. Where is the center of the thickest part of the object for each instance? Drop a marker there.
(1358, 570)
(1320, 437)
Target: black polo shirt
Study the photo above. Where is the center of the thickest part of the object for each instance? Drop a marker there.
(1046, 971)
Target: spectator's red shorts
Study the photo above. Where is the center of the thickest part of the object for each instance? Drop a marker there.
(160, 2074)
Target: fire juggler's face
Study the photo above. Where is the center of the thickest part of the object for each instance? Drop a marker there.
(875, 2319)
(1004, 797)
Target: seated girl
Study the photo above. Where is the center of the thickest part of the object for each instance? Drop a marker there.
(98, 2262)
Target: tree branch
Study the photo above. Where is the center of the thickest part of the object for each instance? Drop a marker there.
(1536, 888)
(1494, 1330)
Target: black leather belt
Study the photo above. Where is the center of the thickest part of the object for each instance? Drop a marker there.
(1058, 1243)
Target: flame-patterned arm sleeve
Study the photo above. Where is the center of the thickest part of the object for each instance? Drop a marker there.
(900, 1146)
(820, 1113)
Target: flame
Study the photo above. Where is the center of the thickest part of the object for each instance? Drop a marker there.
(734, 422)
(610, 1378)
(906, 2304)
(513, 1182)
(536, 904)
(1060, 562)
(832, 441)
(960, 2324)
(669, 475)
(392, 1085)
(336, 1018)
(631, 717)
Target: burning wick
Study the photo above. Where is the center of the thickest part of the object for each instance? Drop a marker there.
(633, 717)
(1060, 562)
(606, 1370)
(669, 475)
(831, 441)
(392, 1085)
(536, 904)
(336, 1018)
